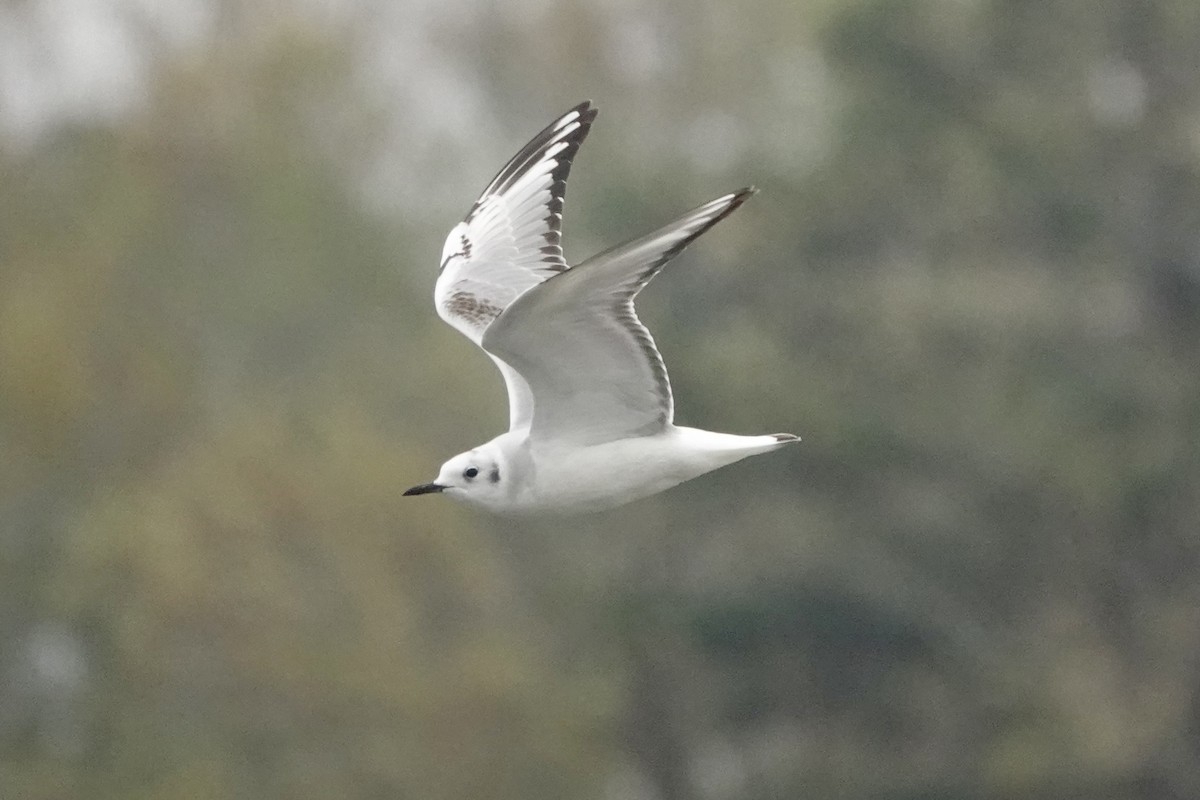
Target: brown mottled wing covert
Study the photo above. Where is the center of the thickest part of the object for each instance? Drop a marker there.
(510, 241)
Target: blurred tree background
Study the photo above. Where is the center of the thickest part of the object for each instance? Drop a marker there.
(971, 283)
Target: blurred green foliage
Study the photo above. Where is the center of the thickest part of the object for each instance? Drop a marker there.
(971, 282)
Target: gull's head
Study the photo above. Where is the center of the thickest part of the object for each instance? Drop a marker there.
(476, 476)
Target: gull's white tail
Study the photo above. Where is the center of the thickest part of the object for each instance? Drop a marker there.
(726, 448)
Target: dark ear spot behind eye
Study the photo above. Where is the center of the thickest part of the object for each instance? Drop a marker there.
(494, 475)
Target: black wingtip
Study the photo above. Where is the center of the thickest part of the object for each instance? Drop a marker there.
(783, 438)
(742, 195)
(536, 147)
(584, 109)
(587, 115)
(733, 201)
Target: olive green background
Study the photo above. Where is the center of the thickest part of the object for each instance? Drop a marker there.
(971, 283)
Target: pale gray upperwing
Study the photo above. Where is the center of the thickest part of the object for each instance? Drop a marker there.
(593, 369)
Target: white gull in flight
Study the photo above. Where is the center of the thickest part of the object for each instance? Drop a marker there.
(591, 418)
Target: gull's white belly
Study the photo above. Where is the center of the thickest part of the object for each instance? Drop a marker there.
(601, 476)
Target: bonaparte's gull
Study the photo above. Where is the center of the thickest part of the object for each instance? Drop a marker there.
(590, 407)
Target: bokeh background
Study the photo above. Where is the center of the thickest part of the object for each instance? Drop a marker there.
(971, 282)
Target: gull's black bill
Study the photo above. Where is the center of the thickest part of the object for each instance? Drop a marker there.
(424, 488)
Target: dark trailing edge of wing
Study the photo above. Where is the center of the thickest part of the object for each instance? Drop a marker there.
(531, 154)
(623, 302)
(652, 269)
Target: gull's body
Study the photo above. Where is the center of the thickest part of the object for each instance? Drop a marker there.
(591, 415)
(556, 477)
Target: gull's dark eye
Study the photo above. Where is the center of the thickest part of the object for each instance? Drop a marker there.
(470, 473)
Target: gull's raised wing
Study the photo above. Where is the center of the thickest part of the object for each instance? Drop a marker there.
(593, 369)
(510, 241)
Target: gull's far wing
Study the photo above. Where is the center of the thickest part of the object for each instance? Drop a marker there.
(591, 365)
(510, 242)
